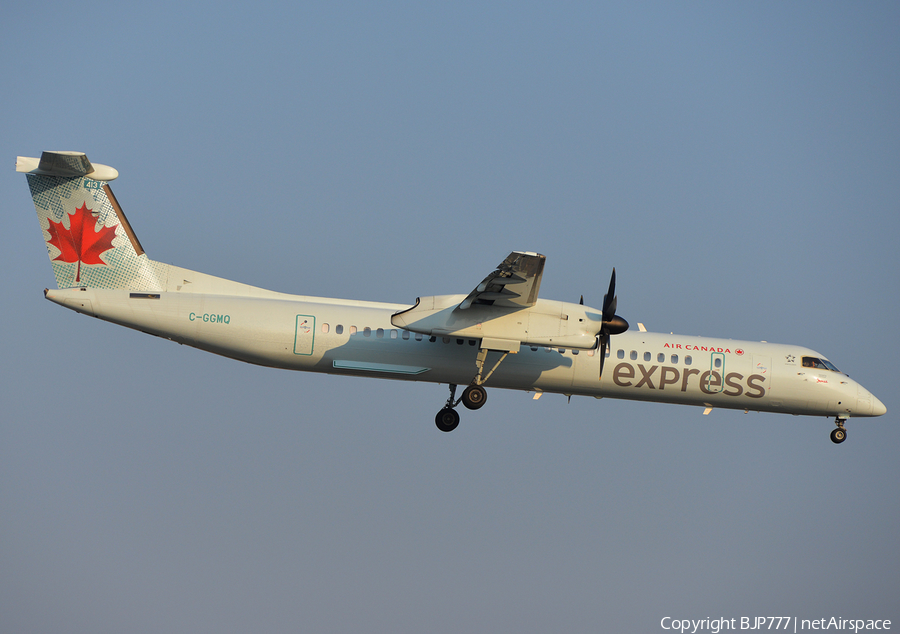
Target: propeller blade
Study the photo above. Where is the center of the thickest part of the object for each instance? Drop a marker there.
(611, 323)
(609, 300)
(604, 343)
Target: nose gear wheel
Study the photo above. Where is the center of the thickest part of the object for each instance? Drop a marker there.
(839, 435)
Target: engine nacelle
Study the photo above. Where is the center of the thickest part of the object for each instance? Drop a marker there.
(547, 323)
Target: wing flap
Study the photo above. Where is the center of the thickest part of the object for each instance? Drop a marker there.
(515, 283)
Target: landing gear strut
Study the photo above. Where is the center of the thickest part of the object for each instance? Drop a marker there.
(448, 418)
(839, 435)
(473, 397)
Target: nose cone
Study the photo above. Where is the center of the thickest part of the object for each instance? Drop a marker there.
(878, 408)
(868, 404)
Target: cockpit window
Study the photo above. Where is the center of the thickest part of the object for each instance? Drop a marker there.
(819, 364)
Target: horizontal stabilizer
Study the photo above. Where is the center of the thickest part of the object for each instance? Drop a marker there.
(65, 164)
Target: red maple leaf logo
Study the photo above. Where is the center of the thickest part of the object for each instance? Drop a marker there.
(80, 242)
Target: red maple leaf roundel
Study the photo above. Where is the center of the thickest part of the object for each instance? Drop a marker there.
(80, 242)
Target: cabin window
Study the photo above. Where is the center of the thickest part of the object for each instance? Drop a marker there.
(634, 355)
(661, 357)
(432, 339)
(534, 348)
(688, 360)
(339, 329)
(418, 336)
(379, 333)
(590, 352)
(620, 354)
(405, 335)
(352, 330)
(471, 342)
(819, 364)
(324, 328)
(367, 332)
(647, 356)
(717, 362)
(674, 359)
(460, 342)
(574, 351)
(445, 339)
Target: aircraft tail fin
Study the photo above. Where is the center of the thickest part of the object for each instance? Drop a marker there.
(89, 240)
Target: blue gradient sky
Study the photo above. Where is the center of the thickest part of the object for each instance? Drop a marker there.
(739, 165)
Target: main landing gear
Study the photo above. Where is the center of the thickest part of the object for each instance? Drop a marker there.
(839, 435)
(473, 397)
(447, 419)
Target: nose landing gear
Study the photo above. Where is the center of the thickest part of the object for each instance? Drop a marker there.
(839, 435)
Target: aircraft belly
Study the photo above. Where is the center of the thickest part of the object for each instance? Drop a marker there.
(545, 369)
(449, 360)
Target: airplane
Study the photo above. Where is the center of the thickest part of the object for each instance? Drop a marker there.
(499, 335)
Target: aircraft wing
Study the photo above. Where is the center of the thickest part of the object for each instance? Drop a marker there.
(515, 283)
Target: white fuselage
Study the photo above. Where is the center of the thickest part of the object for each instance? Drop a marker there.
(358, 338)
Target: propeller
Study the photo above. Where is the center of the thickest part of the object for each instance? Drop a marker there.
(611, 323)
